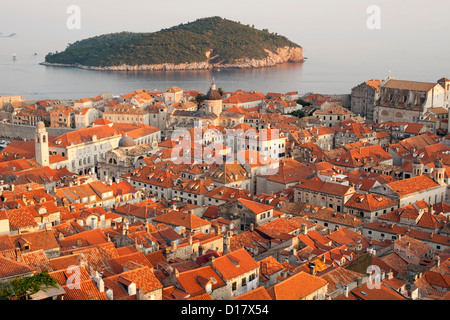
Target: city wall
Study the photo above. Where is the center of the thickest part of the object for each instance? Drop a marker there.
(13, 131)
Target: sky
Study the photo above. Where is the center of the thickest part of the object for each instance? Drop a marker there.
(333, 31)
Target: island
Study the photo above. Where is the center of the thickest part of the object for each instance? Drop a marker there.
(207, 43)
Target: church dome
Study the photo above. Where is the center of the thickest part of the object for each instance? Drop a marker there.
(213, 94)
(126, 142)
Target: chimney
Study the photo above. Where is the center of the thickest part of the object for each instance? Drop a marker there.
(100, 284)
(132, 289)
(312, 268)
(390, 275)
(83, 260)
(79, 243)
(109, 294)
(304, 229)
(18, 254)
(359, 282)
(346, 291)
(139, 294)
(252, 227)
(438, 261)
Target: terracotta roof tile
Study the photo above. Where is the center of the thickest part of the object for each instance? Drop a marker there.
(10, 267)
(296, 287)
(234, 264)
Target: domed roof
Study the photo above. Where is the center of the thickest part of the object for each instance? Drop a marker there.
(40, 125)
(213, 94)
(126, 142)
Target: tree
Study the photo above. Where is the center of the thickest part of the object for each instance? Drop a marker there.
(298, 113)
(303, 102)
(23, 287)
(199, 98)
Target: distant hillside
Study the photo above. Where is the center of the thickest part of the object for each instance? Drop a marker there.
(210, 41)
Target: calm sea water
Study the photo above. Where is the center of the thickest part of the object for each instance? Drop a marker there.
(27, 78)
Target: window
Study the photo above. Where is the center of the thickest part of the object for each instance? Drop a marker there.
(233, 286)
(244, 282)
(252, 277)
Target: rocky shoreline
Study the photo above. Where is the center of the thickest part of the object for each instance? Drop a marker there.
(282, 55)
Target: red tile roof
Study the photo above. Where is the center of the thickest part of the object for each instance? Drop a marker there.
(11, 268)
(369, 202)
(296, 287)
(235, 264)
(412, 185)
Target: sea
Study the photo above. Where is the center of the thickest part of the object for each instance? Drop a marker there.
(24, 76)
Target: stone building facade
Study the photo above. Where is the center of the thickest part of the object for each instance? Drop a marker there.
(407, 100)
(363, 98)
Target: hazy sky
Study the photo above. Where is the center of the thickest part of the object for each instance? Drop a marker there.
(411, 31)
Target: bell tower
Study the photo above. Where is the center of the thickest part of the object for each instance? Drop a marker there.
(41, 145)
(439, 172)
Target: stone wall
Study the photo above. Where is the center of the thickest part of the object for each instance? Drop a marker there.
(27, 132)
(345, 99)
